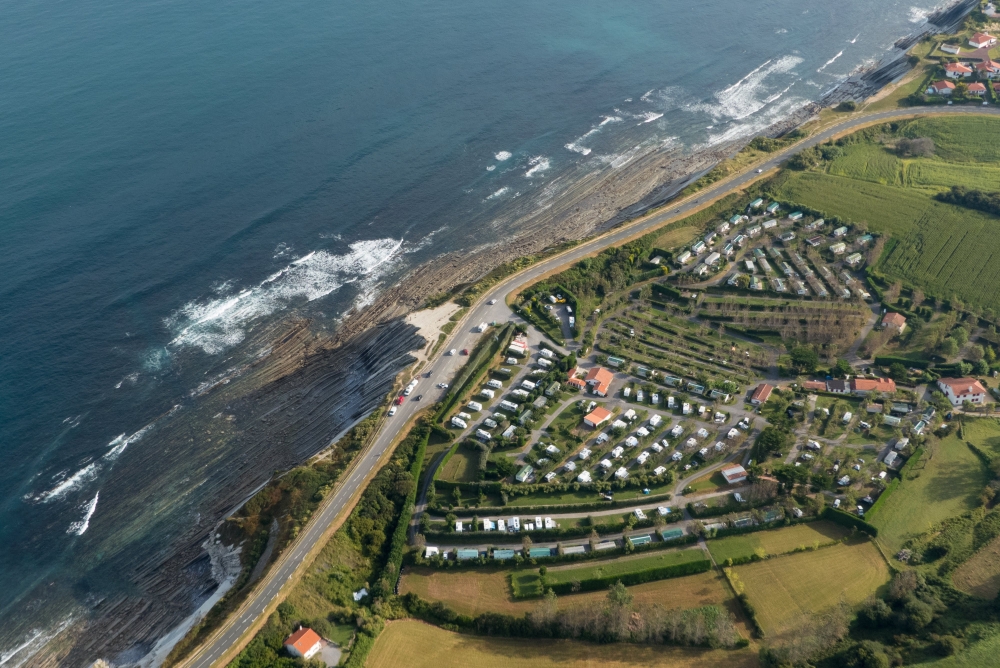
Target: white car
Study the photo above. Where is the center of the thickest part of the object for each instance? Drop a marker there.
(760, 171)
(392, 411)
(492, 302)
(453, 351)
(443, 386)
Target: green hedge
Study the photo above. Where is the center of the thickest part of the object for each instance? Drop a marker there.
(889, 360)
(398, 544)
(363, 643)
(846, 519)
(640, 577)
(475, 367)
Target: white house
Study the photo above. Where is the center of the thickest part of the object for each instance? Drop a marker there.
(960, 390)
(979, 40)
(304, 643)
(941, 88)
(957, 71)
(954, 49)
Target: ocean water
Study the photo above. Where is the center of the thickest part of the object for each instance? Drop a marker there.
(174, 175)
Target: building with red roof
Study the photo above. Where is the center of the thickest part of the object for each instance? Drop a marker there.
(597, 417)
(599, 380)
(862, 386)
(761, 394)
(988, 68)
(941, 88)
(816, 385)
(960, 390)
(894, 320)
(304, 643)
(981, 39)
(977, 89)
(957, 71)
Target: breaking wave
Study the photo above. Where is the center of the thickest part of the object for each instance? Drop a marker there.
(214, 325)
(503, 155)
(577, 145)
(538, 164)
(499, 193)
(831, 61)
(80, 527)
(750, 94)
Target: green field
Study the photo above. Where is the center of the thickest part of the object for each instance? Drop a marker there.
(786, 591)
(984, 432)
(946, 483)
(528, 583)
(776, 541)
(417, 645)
(461, 467)
(941, 248)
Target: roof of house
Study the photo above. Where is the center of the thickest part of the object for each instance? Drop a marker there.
(601, 378)
(894, 319)
(977, 88)
(762, 392)
(837, 385)
(957, 67)
(815, 385)
(576, 382)
(869, 384)
(981, 37)
(987, 65)
(598, 415)
(942, 84)
(734, 473)
(303, 640)
(961, 386)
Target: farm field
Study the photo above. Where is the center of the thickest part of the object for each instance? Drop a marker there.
(475, 592)
(946, 483)
(776, 541)
(785, 591)
(941, 248)
(526, 583)
(980, 575)
(420, 645)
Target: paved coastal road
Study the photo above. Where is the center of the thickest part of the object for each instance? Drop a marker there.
(443, 368)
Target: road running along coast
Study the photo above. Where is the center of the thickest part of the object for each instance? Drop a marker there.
(236, 632)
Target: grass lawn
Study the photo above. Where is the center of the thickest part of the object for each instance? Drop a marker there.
(418, 645)
(527, 583)
(460, 468)
(946, 483)
(776, 541)
(984, 432)
(709, 483)
(474, 592)
(785, 591)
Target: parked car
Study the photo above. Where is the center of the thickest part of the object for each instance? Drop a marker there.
(399, 400)
(465, 351)
(418, 397)
(392, 411)
(452, 351)
(492, 302)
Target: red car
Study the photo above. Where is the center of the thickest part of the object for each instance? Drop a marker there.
(399, 400)
(465, 351)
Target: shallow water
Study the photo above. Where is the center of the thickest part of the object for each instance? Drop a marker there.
(176, 175)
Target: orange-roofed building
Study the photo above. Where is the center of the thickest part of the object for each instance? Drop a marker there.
(862, 386)
(977, 89)
(981, 39)
(761, 394)
(599, 380)
(960, 390)
(816, 385)
(597, 417)
(304, 643)
(577, 382)
(957, 71)
(894, 320)
(941, 88)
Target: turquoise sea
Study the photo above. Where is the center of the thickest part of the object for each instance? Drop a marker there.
(174, 174)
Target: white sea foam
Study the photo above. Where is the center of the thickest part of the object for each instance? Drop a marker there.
(80, 527)
(855, 38)
(490, 168)
(538, 164)
(214, 325)
(503, 155)
(649, 117)
(131, 379)
(577, 144)
(781, 31)
(34, 641)
(830, 62)
(645, 96)
(918, 15)
(499, 193)
(758, 123)
(88, 473)
(748, 95)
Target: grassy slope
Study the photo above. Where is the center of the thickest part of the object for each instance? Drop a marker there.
(777, 541)
(785, 591)
(985, 653)
(419, 645)
(946, 484)
(980, 575)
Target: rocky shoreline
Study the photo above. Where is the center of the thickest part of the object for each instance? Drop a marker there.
(308, 387)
